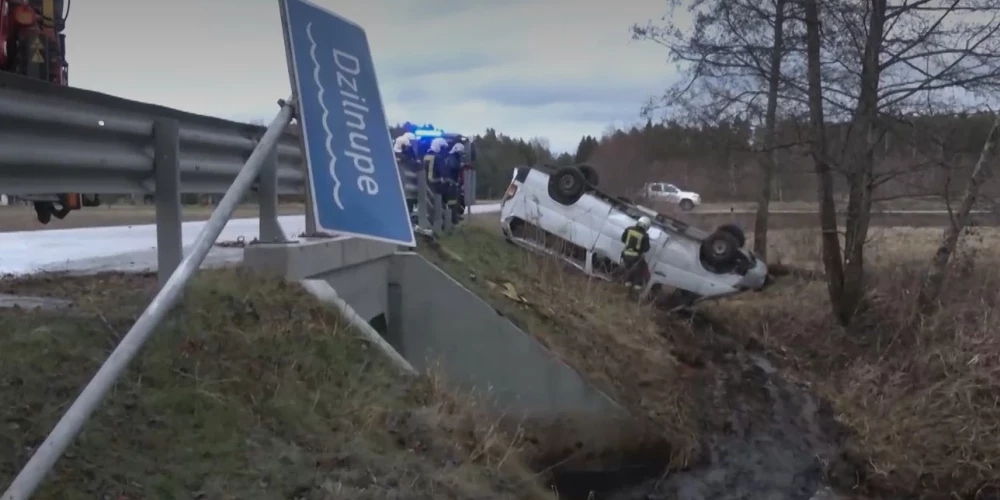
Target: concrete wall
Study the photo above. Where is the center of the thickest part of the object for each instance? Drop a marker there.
(363, 286)
(357, 269)
(434, 319)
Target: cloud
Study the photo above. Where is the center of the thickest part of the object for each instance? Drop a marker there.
(440, 64)
(604, 115)
(447, 9)
(532, 92)
(551, 68)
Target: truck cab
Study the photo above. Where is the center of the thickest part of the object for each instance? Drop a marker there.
(32, 44)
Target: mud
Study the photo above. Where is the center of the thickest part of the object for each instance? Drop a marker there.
(766, 438)
(774, 447)
(737, 426)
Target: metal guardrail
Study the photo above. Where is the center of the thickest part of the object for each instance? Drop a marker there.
(65, 431)
(61, 139)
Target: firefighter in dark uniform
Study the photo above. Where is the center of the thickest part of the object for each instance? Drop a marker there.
(636, 240)
(454, 180)
(435, 162)
(406, 162)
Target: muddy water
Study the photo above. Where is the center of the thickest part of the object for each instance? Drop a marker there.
(768, 438)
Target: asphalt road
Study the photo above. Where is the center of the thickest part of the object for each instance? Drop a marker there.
(803, 219)
(794, 219)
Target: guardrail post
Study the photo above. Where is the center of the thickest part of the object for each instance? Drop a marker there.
(167, 173)
(310, 214)
(446, 213)
(438, 218)
(470, 190)
(423, 212)
(65, 431)
(267, 196)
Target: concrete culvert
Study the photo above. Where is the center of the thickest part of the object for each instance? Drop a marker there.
(610, 478)
(590, 459)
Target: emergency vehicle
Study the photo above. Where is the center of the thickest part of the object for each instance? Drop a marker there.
(32, 44)
(422, 145)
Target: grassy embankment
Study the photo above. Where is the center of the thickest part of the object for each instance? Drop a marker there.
(920, 405)
(253, 390)
(250, 390)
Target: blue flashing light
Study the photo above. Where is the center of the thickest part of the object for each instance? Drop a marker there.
(428, 133)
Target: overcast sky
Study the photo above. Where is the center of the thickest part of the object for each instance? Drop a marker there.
(551, 68)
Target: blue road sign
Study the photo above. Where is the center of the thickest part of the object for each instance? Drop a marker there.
(356, 186)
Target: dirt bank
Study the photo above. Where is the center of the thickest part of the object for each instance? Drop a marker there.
(763, 436)
(733, 426)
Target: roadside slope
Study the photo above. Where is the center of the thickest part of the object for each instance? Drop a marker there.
(920, 398)
(250, 390)
(764, 383)
(733, 426)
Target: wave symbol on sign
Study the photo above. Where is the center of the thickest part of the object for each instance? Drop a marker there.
(326, 114)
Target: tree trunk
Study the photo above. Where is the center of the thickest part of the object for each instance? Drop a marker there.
(927, 299)
(832, 263)
(861, 169)
(769, 161)
(734, 192)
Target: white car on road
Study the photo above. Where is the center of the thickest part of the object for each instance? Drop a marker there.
(561, 212)
(662, 191)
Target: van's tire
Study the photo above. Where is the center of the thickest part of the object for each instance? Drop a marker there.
(567, 185)
(736, 231)
(687, 205)
(590, 173)
(720, 250)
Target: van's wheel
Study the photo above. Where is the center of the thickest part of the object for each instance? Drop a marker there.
(687, 205)
(720, 249)
(736, 231)
(567, 185)
(590, 173)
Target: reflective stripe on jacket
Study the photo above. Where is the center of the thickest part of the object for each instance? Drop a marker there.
(636, 241)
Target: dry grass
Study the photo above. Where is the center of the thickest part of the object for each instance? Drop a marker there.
(801, 206)
(613, 341)
(250, 390)
(922, 402)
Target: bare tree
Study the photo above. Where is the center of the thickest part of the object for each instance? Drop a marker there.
(877, 59)
(769, 160)
(621, 163)
(732, 57)
(539, 143)
(934, 280)
(832, 262)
